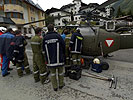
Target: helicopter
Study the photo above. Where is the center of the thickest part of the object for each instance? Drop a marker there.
(100, 42)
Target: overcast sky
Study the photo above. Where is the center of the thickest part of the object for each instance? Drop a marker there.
(47, 4)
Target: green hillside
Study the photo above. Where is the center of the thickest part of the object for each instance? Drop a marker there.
(125, 5)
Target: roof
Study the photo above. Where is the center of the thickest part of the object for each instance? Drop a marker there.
(33, 4)
(90, 5)
(5, 20)
(52, 10)
(83, 4)
(77, 0)
(67, 6)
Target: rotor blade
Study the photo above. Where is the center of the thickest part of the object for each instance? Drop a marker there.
(33, 22)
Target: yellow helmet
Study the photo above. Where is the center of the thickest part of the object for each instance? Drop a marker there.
(96, 61)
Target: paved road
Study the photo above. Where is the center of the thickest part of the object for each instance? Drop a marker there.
(121, 65)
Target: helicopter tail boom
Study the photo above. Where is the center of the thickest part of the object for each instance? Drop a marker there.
(126, 41)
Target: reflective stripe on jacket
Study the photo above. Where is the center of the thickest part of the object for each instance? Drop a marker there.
(54, 47)
(76, 43)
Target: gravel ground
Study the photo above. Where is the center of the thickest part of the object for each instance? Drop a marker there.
(14, 88)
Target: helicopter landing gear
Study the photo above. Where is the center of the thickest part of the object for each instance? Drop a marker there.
(104, 65)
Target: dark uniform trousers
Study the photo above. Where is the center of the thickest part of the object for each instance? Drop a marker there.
(53, 71)
(24, 64)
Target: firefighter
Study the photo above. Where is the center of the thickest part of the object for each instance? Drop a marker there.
(39, 66)
(67, 54)
(75, 47)
(1, 60)
(5, 40)
(19, 56)
(54, 48)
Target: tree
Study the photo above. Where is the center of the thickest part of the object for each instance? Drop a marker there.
(119, 13)
(49, 20)
(129, 13)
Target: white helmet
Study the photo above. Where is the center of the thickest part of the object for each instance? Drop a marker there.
(96, 61)
(3, 29)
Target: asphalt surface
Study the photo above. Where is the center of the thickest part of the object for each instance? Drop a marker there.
(121, 65)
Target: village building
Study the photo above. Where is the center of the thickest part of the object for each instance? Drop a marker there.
(20, 12)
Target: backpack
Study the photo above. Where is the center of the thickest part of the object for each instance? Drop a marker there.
(96, 68)
(75, 72)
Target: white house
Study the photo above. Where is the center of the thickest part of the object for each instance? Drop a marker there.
(59, 15)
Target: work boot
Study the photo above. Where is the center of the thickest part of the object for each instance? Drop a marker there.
(20, 76)
(37, 80)
(55, 89)
(46, 81)
(6, 74)
(60, 87)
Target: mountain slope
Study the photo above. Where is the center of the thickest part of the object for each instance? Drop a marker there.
(125, 5)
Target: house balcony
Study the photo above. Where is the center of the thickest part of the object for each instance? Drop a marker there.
(13, 8)
(18, 20)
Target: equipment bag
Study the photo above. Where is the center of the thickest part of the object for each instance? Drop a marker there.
(75, 72)
(96, 68)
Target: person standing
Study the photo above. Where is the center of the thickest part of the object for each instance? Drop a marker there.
(75, 47)
(19, 56)
(5, 39)
(1, 60)
(39, 66)
(54, 48)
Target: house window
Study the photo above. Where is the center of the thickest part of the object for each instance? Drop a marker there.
(8, 15)
(29, 30)
(7, 1)
(43, 23)
(42, 14)
(58, 14)
(25, 30)
(75, 18)
(19, 2)
(15, 15)
(13, 2)
(1, 1)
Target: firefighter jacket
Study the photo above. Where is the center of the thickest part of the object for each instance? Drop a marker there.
(67, 39)
(5, 40)
(36, 44)
(76, 43)
(54, 48)
(17, 49)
